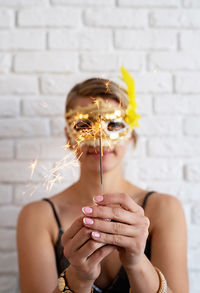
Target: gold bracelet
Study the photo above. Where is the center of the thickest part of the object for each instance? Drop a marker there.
(163, 282)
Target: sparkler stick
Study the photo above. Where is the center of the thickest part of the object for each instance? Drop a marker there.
(101, 155)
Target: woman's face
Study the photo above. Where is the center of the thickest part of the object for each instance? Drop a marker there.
(90, 156)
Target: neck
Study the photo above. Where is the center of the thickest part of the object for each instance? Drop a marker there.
(89, 182)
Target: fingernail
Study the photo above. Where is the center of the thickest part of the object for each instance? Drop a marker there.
(87, 210)
(96, 234)
(88, 221)
(98, 198)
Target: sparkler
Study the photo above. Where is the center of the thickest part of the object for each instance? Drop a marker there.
(101, 153)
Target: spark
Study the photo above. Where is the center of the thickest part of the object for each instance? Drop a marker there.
(32, 166)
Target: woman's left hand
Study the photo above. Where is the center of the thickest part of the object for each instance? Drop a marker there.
(127, 230)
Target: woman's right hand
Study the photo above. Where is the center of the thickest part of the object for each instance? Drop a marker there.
(84, 253)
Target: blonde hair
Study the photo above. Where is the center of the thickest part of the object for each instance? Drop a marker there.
(99, 87)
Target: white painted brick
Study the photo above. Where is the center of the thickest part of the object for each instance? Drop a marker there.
(84, 39)
(46, 62)
(187, 213)
(192, 126)
(57, 126)
(5, 194)
(187, 83)
(22, 40)
(5, 62)
(99, 62)
(162, 169)
(8, 216)
(9, 106)
(193, 256)
(6, 149)
(132, 60)
(193, 172)
(194, 276)
(84, 2)
(174, 147)
(51, 148)
(43, 106)
(6, 18)
(8, 239)
(22, 3)
(54, 17)
(144, 103)
(23, 127)
(178, 18)
(8, 262)
(190, 41)
(189, 192)
(145, 40)
(138, 152)
(193, 237)
(117, 18)
(174, 61)
(20, 172)
(149, 3)
(13, 84)
(8, 283)
(169, 187)
(175, 104)
(61, 84)
(191, 3)
(160, 126)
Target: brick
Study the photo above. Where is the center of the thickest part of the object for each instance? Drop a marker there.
(43, 106)
(194, 276)
(187, 83)
(160, 126)
(5, 62)
(189, 192)
(115, 17)
(84, 2)
(192, 126)
(8, 283)
(46, 62)
(57, 126)
(20, 172)
(5, 194)
(8, 239)
(174, 147)
(193, 237)
(83, 39)
(191, 3)
(178, 18)
(193, 172)
(22, 3)
(50, 148)
(175, 104)
(6, 18)
(8, 262)
(6, 149)
(8, 216)
(174, 61)
(189, 41)
(23, 127)
(138, 152)
(98, 62)
(144, 103)
(169, 187)
(145, 40)
(150, 3)
(22, 40)
(162, 170)
(53, 17)
(13, 84)
(193, 256)
(10, 106)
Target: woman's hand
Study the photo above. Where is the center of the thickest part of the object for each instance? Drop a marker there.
(84, 253)
(128, 228)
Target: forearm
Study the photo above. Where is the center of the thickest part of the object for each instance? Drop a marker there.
(76, 283)
(144, 278)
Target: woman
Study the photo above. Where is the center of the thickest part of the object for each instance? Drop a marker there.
(125, 239)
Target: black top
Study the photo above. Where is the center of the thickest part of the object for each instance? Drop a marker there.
(120, 283)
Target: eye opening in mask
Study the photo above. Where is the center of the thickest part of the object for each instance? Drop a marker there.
(83, 125)
(115, 125)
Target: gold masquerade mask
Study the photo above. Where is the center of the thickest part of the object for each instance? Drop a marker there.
(100, 119)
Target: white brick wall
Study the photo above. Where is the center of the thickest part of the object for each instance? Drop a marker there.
(46, 46)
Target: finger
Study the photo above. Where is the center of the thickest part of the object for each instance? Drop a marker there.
(80, 238)
(100, 254)
(114, 213)
(72, 230)
(88, 249)
(111, 227)
(123, 199)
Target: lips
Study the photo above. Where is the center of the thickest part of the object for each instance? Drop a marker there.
(96, 151)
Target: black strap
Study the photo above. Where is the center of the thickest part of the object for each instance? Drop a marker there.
(146, 197)
(54, 211)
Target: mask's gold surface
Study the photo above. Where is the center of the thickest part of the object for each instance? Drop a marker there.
(86, 125)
